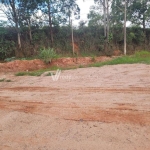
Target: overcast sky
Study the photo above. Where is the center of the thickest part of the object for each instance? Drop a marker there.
(84, 9)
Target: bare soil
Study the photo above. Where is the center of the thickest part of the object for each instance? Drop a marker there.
(106, 108)
(30, 65)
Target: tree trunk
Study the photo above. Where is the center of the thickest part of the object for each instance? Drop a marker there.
(125, 32)
(72, 38)
(104, 9)
(30, 32)
(19, 40)
(144, 32)
(107, 30)
(18, 36)
(107, 10)
(15, 16)
(50, 23)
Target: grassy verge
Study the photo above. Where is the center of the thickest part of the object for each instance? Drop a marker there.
(138, 57)
(41, 71)
(5, 80)
(36, 72)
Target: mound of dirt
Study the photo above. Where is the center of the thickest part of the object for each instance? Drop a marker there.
(22, 65)
(29, 65)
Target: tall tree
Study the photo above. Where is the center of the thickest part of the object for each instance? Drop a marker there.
(59, 10)
(28, 9)
(95, 16)
(11, 9)
(106, 4)
(140, 14)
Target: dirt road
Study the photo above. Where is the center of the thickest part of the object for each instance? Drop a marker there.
(105, 108)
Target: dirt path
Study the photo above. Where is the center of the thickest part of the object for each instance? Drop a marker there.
(90, 108)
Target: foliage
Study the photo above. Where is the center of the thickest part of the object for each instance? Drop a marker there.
(61, 10)
(30, 20)
(47, 54)
(2, 80)
(140, 12)
(36, 72)
(138, 57)
(6, 48)
(5, 80)
(94, 16)
(135, 35)
(9, 59)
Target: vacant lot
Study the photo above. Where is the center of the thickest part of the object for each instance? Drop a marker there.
(105, 108)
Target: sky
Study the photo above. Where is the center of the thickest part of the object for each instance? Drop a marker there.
(84, 10)
(84, 6)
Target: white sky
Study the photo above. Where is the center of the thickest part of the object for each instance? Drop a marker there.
(84, 9)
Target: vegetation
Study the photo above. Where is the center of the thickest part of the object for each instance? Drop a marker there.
(138, 57)
(5, 80)
(2, 80)
(47, 54)
(36, 72)
(34, 24)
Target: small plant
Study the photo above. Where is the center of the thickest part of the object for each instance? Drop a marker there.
(5, 80)
(36, 72)
(9, 59)
(47, 54)
(8, 80)
(81, 66)
(93, 59)
(2, 80)
(6, 48)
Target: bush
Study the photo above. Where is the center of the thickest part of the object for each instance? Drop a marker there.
(47, 54)
(6, 48)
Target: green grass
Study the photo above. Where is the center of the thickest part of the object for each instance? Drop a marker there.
(8, 80)
(36, 72)
(41, 71)
(138, 57)
(5, 80)
(2, 80)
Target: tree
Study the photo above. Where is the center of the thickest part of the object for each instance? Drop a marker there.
(28, 9)
(140, 14)
(95, 16)
(58, 11)
(70, 8)
(11, 9)
(106, 4)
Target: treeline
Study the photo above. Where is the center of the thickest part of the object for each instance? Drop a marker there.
(34, 24)
(90, 40)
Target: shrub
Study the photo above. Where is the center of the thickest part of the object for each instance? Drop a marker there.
(47, 54)
(6, 48)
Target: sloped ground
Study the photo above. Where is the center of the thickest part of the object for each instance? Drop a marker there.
(90, 108)
(29, 65)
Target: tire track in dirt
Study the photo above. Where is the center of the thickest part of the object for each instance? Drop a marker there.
(84, 89)
(71, 111)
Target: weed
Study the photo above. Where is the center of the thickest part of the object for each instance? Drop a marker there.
(36, 72)
(81, 66)
(139, 57)
(8, 80)
(47, 54)
(93, 59)
(2, 80)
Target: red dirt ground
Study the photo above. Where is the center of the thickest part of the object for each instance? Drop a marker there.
(24, 65)
(106, 108)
